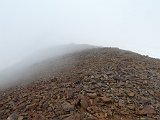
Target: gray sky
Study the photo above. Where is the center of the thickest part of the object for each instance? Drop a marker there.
(29, 25)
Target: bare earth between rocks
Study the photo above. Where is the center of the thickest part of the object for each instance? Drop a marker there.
(100, 84)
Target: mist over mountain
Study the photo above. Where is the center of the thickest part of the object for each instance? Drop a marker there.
(83, 82)
(34, 62)
(79, 60)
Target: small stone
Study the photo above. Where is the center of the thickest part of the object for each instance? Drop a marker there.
(109, 73)
(31, 107)
(49, 109)
(20, 118)
(131, 107)
(99, 84)
(92, 95)
(149, 109)
(105, 76)
(110, 112)
(92, 109)
(13, 116)
(106, 99)
(131, 94)
(91, 102)
(90, 116)
(124, 112)
(67, 107)
(117, 78)
(69, 94)
(146, 118)
(100, 115)
(145, 101)
(83, 102)
(92, 77)
(73, 117)
(121, 103)
(39, 117)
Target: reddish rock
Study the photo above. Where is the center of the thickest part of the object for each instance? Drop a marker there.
(73, 117)
(67, 107)
(100, 116)
(83, 102)
(91, 102)
(69, 94)
(106, 99)
(39, 117)
(75, 95)
(131, 106)
(92, 109)
(149, 109)
(121, 103)
(92, 95)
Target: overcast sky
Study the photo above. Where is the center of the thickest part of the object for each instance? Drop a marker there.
(29, 25)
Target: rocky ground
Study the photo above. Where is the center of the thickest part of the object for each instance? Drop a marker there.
(100, 84)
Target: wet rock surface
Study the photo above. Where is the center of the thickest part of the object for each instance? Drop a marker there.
(102, 84)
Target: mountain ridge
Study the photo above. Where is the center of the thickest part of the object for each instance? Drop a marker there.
(94, 84)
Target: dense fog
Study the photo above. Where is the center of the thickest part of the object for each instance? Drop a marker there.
(49, 59)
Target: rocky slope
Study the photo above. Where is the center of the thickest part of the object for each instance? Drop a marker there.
(95, 84)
